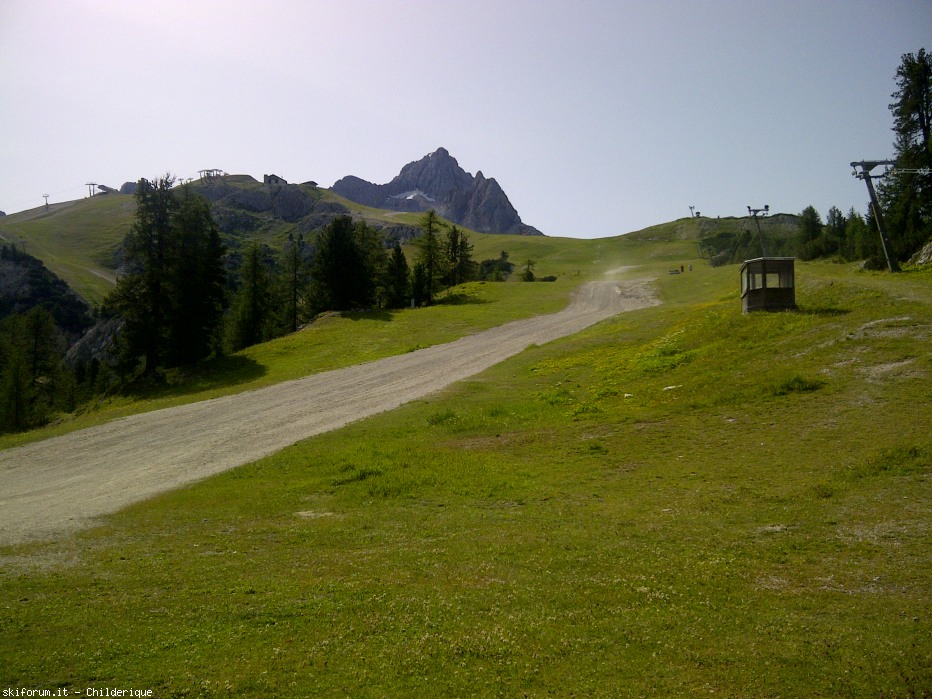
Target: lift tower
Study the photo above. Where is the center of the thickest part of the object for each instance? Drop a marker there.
(760, 236)
(865, 174)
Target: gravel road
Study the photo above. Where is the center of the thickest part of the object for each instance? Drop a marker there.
(52, 487)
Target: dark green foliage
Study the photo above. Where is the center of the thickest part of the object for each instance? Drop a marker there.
(496, 270)
(420, 290)
(348, 266)
(528, 274)
(294, 282)
(140, 296)
(375, 262)
(397, 279)
(834, 231)
(809, 243)
(197, 283)
(430, 255)
(906, 197)
(252, 316)
(34, 381)
(459, 263)
(858, 244)
(797, 384)
(25, 283)
(171, 298)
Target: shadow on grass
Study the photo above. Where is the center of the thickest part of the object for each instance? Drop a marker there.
(221, 372)
(827, 311)
(457, 299)
(380, 314)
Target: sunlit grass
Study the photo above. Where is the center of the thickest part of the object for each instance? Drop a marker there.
(680, 501)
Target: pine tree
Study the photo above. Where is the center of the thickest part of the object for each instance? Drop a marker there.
(810, 230)
(140, 296)
(430, 254)
(295, 279)
(420, 293)
(460, 266)
(171, 299)
(197, 282)
(34, 381)
(906, 197)
(251, 317)
(397, 282)
(834, 232)
(860, 242)
(528, 274)
(338, 273)
(375, 262)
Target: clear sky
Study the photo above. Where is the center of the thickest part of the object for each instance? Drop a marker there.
(597, 118)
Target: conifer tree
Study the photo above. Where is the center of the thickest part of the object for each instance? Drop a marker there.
(460, 265)
(251, 317)
(197, 282)
(397, 282)
(171, 299)
(295, 279)
(34, 380)
(906, 197)
(430, 254)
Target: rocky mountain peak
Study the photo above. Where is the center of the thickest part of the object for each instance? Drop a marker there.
(437, 181)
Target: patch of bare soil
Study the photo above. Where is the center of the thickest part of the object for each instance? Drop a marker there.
(61, 484)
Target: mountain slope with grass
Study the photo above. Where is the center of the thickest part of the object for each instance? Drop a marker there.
(81, 240)
(677, 501)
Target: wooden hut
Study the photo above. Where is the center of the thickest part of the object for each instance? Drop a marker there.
(768, 284)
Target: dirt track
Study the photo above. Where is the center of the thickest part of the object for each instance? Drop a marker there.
(62, 484)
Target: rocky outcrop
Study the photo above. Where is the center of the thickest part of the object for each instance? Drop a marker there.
(924, 256)
(100, 343)
(240, 204)
(436, 181)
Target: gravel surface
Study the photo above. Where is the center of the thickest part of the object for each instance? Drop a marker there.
(58, 485)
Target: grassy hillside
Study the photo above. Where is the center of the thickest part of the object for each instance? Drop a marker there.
(341, 340)
(75, 239)
(679, 501)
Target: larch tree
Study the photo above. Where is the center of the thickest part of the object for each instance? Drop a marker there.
(430, 254)
(906, 195)
(171, 298)
(397, 279)
(251, 317)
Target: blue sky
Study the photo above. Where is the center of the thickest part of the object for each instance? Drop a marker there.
(597, 118)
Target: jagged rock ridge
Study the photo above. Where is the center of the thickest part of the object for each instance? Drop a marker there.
(436, 181)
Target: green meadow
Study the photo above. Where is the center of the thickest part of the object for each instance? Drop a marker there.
(680, 501)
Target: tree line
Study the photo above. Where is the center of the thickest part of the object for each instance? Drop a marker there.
(35, 382)
(905, 194)
(179, 308)
(347, 266)
(184, 297)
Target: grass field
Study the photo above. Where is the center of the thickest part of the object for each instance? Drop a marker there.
(75, 239)
(341, 340)
(679, 501)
